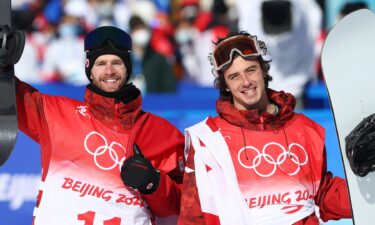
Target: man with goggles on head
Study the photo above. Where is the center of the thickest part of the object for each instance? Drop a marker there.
(257, 162)
(104, 160)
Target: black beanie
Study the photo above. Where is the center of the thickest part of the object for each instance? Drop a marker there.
(108, 40)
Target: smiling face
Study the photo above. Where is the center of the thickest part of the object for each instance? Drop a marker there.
(245, 81)
(108, 73)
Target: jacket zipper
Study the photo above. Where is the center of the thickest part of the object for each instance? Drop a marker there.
(261, 125)
(116, 116)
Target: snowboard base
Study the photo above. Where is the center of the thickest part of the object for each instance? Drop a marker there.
(8, 110)
(349, 72)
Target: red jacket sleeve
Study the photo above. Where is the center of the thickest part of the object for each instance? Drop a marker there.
(190, 212)
(30, 113)
(332, 197)
(163, 145)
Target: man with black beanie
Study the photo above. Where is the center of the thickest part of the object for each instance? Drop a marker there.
(104, 160)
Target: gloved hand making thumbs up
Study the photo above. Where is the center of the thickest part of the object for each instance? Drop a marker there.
(138, 173)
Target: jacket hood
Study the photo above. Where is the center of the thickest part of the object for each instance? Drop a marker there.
(256, 119)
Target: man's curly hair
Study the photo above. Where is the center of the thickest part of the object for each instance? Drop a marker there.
(219, 81)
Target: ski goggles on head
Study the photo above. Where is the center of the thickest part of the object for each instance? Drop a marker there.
(246, 46)
(98, 37)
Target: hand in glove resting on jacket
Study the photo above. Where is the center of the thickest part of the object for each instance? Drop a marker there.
(138, 173)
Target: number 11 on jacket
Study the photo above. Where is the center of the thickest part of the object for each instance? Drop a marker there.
(89, 218)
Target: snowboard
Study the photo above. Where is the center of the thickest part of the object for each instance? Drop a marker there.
(8, 112)
(348, 64)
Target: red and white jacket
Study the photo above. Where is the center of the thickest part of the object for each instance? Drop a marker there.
(83, 145)
(276, 172)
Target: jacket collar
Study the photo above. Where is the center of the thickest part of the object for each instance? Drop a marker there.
(259, 120)
(113, 112)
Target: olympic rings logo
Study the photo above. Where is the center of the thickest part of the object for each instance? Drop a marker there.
(289, 161)
(103, 151)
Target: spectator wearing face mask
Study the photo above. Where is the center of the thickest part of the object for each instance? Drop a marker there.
(152, 72)
(196, 28)
(185, 36)
(68, 44)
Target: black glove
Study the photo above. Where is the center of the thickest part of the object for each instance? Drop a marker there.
(138, 173)
(12, 43)
(360, 147)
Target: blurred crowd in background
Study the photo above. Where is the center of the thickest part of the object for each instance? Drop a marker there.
(172, 39)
